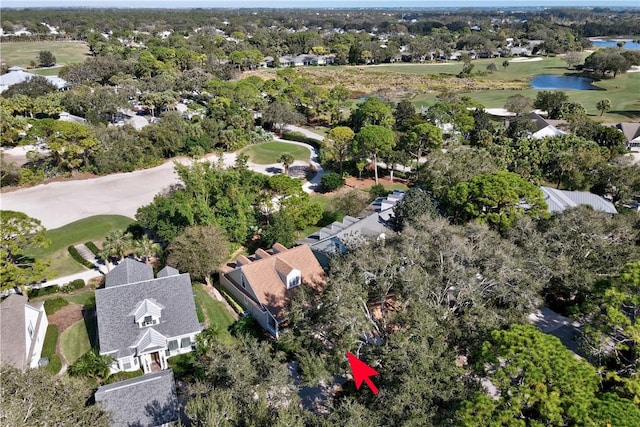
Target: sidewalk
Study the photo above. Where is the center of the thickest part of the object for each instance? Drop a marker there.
(61, 281)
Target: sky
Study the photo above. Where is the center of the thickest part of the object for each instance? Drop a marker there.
(506, 4)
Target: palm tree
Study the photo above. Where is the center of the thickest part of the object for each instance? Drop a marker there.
(92, 365)
(286, 159)
(603, 106)
(116, 244)
(146, 248)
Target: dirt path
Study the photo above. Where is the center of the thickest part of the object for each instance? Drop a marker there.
(63, 318)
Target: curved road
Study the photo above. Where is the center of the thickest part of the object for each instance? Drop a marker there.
(60, 203)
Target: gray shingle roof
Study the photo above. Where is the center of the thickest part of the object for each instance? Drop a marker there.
(117, 330)
(149, 400)
(559, 200)
(168, 271)
(129, 271)
(13, 341)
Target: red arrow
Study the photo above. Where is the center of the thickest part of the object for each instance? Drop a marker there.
(362, 372)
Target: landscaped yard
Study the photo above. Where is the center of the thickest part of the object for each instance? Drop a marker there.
(269, 152)
(94, 228)
(22, 53)
(49, 349)
(215, 312)
(75, 342)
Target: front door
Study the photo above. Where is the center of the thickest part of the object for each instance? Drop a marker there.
(155, 357)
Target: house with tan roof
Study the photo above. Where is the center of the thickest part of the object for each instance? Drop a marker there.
(263, 283)
(22, 330)
(631, 133)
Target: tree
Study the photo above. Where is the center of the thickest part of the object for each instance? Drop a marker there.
(603, 106)
(497, 198)
(492, 67)
(71, 144)
(339, 140)
(550, 101)
(537, 381)
(421, 138)
(46, 58)
(505, 64)
(116, 244)
(35, 397)
(199, 250)
(331, 181)
(280, 114)
(518, 104)
(572, 58)
(33, 87)
(372, 112)
(375, 141)
(146, 248)
(280, 229)
(286, 159)
(404, 114)
(92, 365)
(415, 204)
(19, 235)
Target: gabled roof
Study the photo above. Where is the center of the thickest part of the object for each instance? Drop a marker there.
(13, 339)
(168, 271)
(631, 131)
(147, 307)
(149, 400)
(16, 76)
(269, 287)
(150, 340)
(128, 271)
(559, 200)
(117, 304)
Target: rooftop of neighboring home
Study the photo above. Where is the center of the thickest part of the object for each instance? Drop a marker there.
(131, 289)
(19, 75)
(149, 400)
(267, 274)
(13, 331)
(560, 200)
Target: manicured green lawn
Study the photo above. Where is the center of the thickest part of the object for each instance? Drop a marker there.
(214, 311)
(268, 153)
(89, 229)
(47, 71)
(22, 53)
(75, 342)
(49, 349)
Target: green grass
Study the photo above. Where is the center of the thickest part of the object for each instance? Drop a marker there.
(46, 71)
(215, 312)
(268, 153)
(86, 299)
(75, 342)
(49, 350)
(22, 53)
(122, 376)
(87, 229)
(54, 304)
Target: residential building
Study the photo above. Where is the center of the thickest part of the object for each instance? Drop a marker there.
(149, 400)
(560, 200)
(631, 133)
(546, 127)
(18, 75)
(264, 282)
(374, 223)
(22, 331)
(143, 320)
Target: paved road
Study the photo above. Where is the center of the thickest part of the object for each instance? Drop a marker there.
(60, 203)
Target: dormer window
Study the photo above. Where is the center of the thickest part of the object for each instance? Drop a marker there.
(147, 313)
(294, 280)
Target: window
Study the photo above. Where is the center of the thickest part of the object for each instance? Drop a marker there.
(148, 320)
(244, 282)
(294, 281)
(185, 342)
(30, 329)
(173, 345)
(126, 365)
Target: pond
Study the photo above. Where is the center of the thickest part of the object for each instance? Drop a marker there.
(553, 81)
(610, 43)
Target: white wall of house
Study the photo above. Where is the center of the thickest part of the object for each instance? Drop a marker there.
(256, 311)
(34, 333)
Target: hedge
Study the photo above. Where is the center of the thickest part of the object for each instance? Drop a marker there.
(237, 307)
(49, 350)
(73, 285)
(54, 304)
(121, 376)
(43, 291)
(76, 256)
(332, 181)
(93, 248)
(300, 137)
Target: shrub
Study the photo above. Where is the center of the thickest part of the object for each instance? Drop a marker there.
(49, 349)
(378, 190)
(121, 376)
(77, 257)
(300, 137)
(54, 304)
(32, 293)
(232, 302)
(93, 248)
(73, 285)
(331, 181)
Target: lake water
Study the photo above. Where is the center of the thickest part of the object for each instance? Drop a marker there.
(609, 43)
(553, 81)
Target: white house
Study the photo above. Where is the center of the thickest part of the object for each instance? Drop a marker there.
(22, 331)
(18, 75)
(143, 320)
